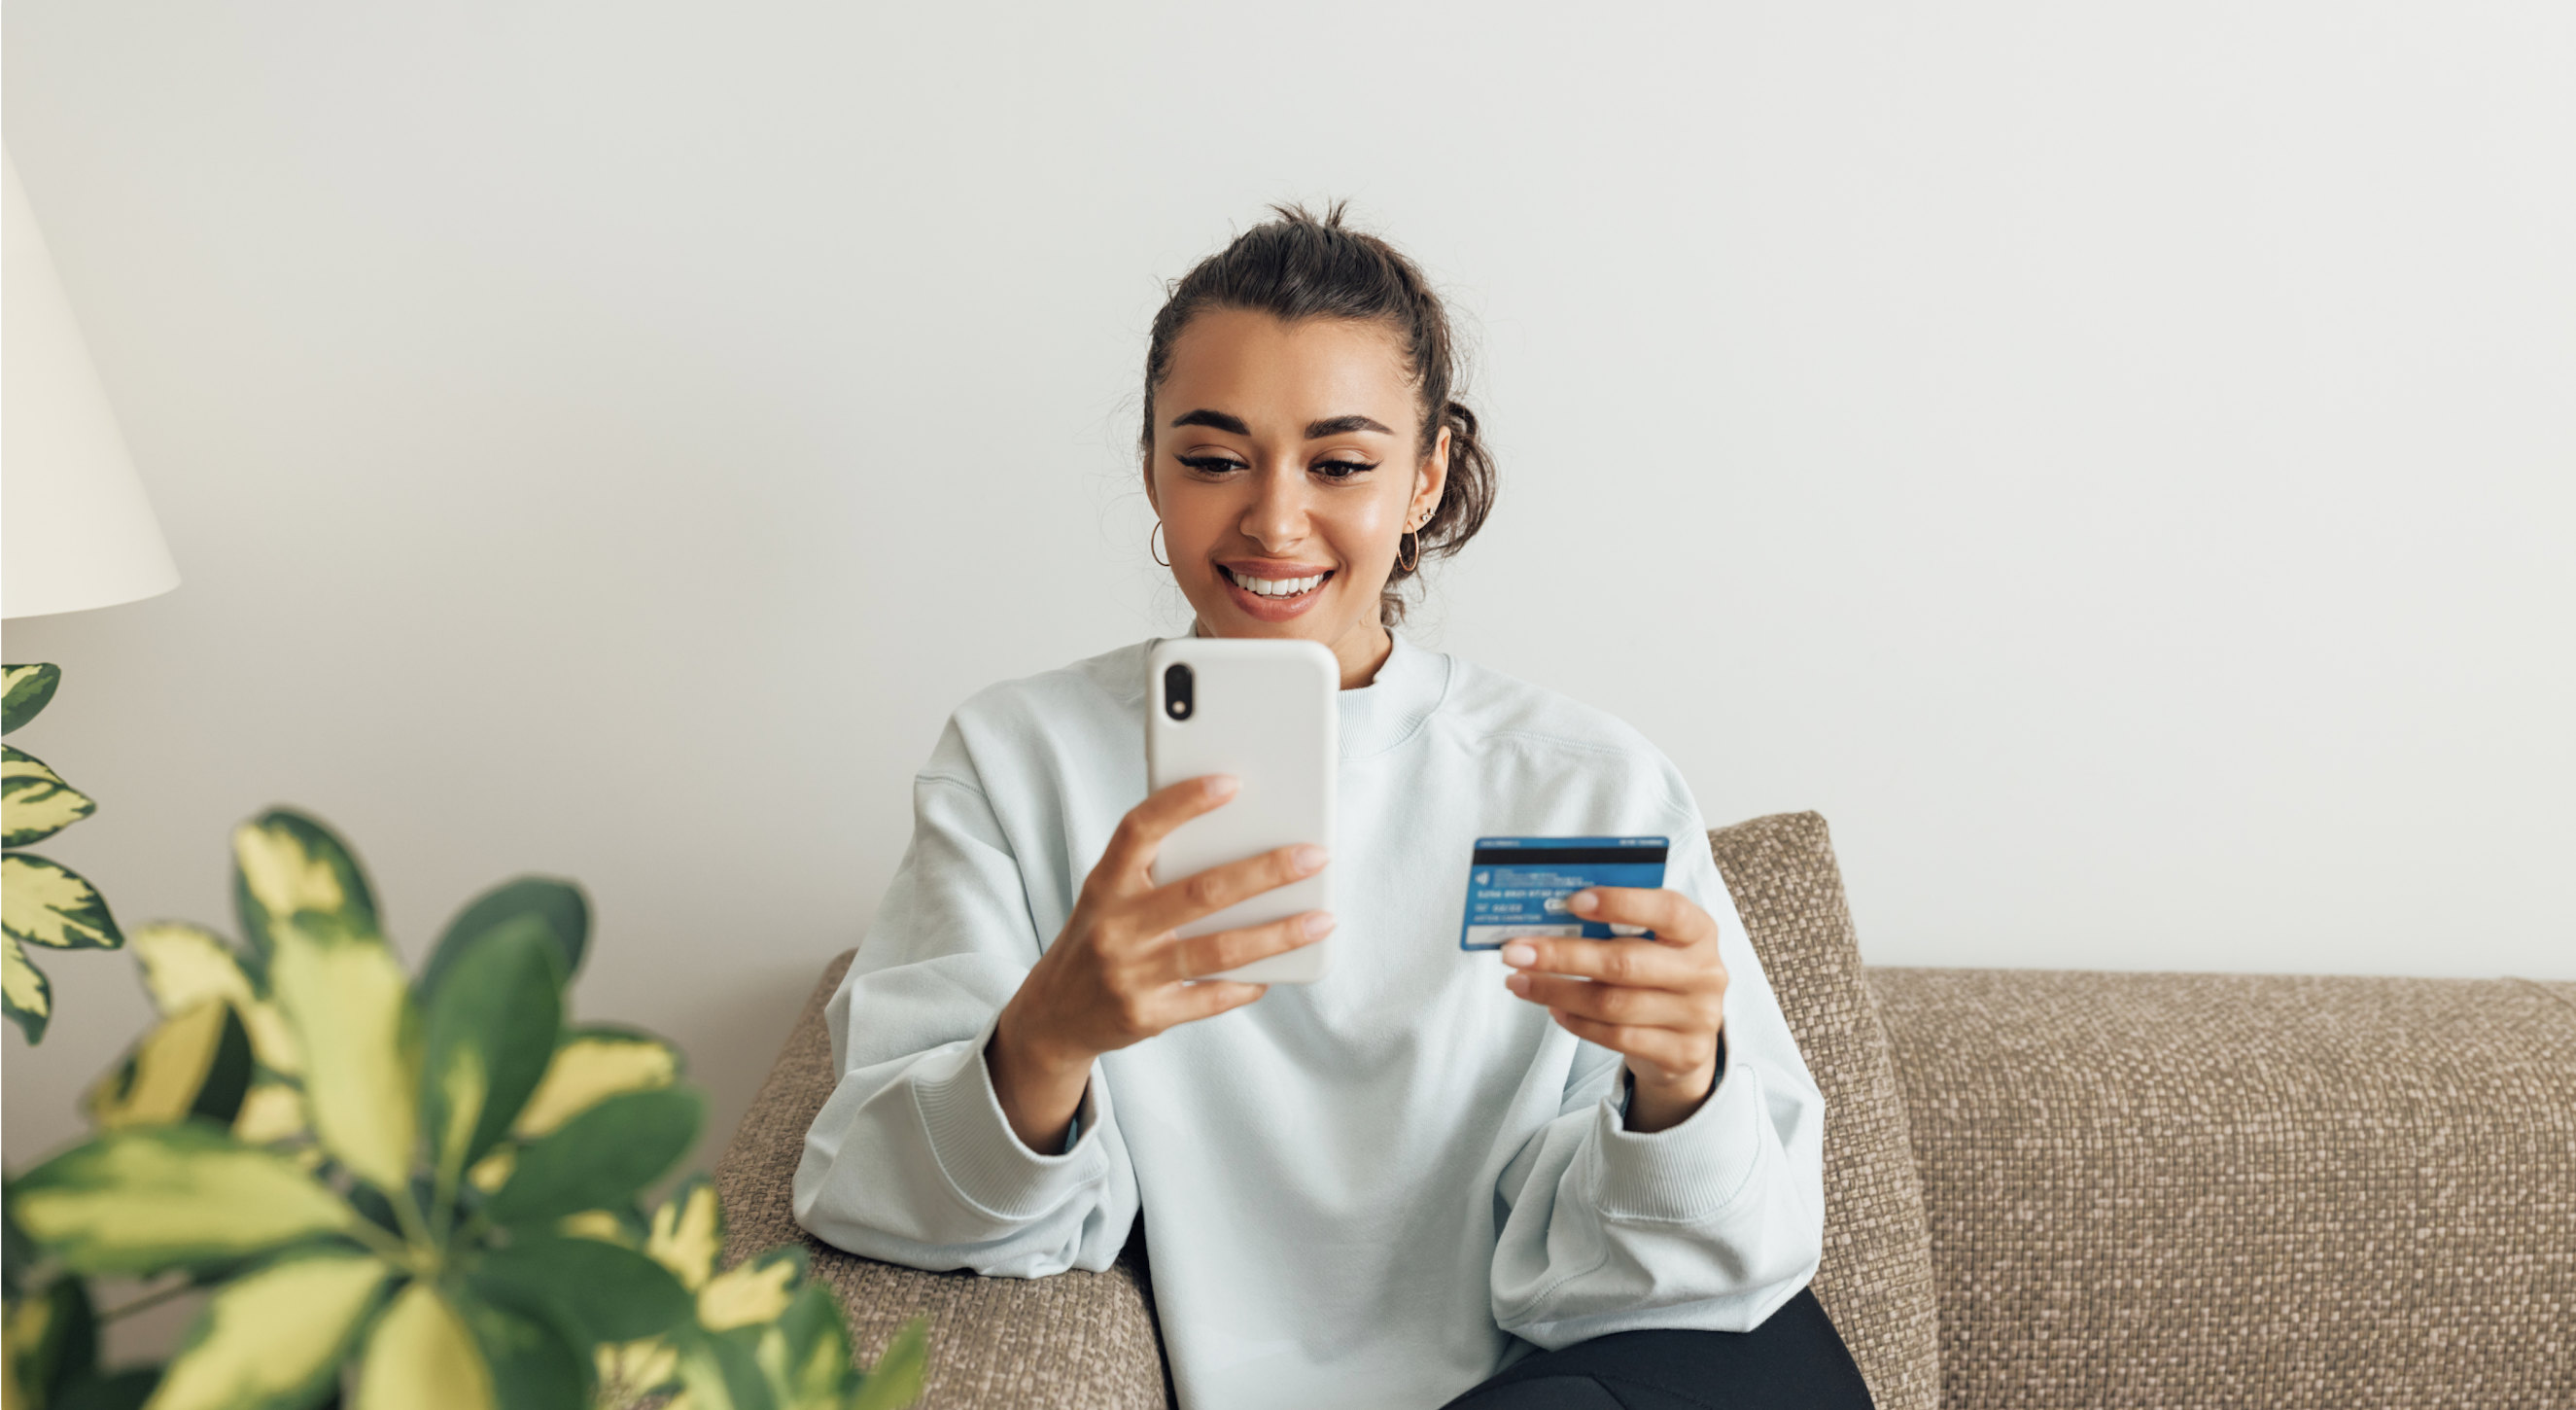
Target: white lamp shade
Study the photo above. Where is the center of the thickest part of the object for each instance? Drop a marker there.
(75, 528)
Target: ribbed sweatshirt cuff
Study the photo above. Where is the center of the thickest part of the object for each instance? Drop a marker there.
(984, 1160)
(1689, 1171)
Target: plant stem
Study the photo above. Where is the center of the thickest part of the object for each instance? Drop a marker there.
(147, 1301)
(451, 1169)
(415, 1228)
(400, 1255)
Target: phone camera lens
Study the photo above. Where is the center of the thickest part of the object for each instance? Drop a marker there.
(1179, 686)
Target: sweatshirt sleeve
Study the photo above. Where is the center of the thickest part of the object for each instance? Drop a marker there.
(1710, 1224)
(911, 1160)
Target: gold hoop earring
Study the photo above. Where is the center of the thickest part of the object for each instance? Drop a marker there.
(1410, 540)
(1151, 551)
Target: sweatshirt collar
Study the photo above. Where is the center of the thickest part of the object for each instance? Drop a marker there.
(1385, 713)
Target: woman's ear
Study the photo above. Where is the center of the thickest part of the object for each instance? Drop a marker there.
(1147, 464)
(1431, 479)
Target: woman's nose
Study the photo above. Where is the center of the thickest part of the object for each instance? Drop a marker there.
(1276, 518)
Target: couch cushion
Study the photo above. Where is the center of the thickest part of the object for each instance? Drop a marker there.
(1078, 1339)
(2200, 1189)
(1876, 1279)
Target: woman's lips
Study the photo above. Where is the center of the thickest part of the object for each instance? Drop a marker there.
(1276, 583)
(1277, 594)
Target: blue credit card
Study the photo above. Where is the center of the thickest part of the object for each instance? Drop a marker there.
(1518, 885)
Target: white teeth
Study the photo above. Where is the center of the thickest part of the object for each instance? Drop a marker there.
(1276, 587)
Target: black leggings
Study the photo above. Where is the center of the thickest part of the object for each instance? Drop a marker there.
(1794, 1361)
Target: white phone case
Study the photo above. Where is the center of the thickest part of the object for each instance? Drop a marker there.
(1266, 712)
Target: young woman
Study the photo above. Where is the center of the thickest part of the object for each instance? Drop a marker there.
(1389, 1188)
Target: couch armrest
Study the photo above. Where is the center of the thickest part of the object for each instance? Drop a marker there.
(1077, 1339)
(2203, 1189)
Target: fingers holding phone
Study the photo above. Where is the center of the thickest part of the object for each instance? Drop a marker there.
(1233, 949)
(1211, 888)
(1120, 972)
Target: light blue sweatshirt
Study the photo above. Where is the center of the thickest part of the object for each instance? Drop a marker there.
(1356, 1193)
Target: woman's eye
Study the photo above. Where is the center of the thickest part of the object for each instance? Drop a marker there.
(1211, 464)
(1341, 469)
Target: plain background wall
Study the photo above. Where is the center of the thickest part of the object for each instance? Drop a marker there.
(2117, 463)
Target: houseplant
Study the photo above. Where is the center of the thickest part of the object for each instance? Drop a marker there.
(43, 902)
(412, 1192)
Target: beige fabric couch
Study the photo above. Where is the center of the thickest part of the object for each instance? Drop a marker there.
(2045, 1188)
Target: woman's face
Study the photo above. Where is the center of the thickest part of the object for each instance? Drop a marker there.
(1286, 467)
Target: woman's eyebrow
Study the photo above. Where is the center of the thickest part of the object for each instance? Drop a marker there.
(1216, 420)
(1343, 426)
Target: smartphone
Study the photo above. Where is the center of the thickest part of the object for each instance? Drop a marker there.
(1267, 712)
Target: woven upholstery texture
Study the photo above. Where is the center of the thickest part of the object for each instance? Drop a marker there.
(1076, 1341)
(1876, 1278)
(2218, 1190)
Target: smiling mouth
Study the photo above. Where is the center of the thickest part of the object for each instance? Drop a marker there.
(1275, 587)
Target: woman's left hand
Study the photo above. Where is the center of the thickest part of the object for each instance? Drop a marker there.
(1659, 1002)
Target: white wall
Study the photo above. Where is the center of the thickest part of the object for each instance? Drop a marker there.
(2116, 462)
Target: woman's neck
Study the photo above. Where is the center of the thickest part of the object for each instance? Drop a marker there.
(1362, 651)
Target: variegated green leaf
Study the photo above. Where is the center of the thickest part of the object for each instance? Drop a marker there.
(606, 1293)
(350, 1008)
(422, 1356)
(897, 1378)
(197, 1064)
(601, 1157)
(51, 1341)
(29, 996)
(752, 1291)
(290, 870)
(24, 693)
(534, 1363)
(493, 1171)
(601, 1224)
(18, 1253)
(271, 1113)
(490, 1037)
(634, 1371)
(721, 1373)
(23, 1327)
(687, 1235)
(35, 803)
(46, 903)
(158, 1197)
(557, 905)
(805, 1353)
(127, 1388)
(591, 1065)
(273, 1340)
(272, 1040)
(185, 965)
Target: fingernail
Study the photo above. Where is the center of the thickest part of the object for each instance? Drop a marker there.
(1585, 903)
(1309, 859)
(1223, 785)
(1320, 924)
(1519, 956)
(1518, 983)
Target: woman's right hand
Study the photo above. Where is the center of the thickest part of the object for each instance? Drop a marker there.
(1119, 975)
